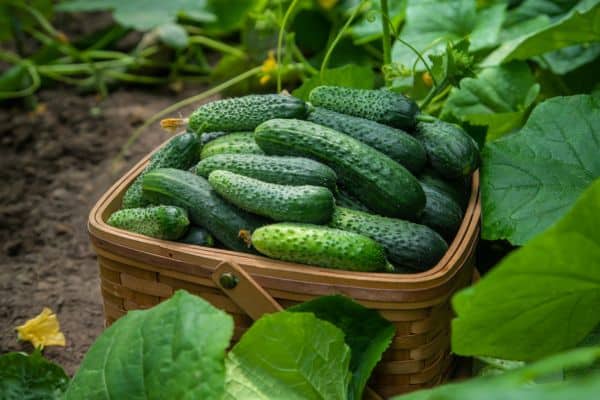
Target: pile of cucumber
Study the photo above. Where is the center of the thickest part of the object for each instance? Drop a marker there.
(354, 179)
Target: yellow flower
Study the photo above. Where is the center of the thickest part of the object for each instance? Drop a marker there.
(427, 80)
(268, 67)
(43, 330)
(327, 4)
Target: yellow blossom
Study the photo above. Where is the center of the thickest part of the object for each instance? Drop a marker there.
(427, 80)
(42, 330)
(327, 4)
(268, 67)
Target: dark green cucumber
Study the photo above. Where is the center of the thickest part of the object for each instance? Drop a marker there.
(381, 106)
(451, 151)
(206, 137)
(320, 246)
(245, 113)
(233, 143)
(308, 204)
(345, 199)
(456, 189)
(395, 143)
(161, 222)
(379, 182)
(407, 244)
(180, 152)
(198, 236)
(441, 212)
(205, 207)
(295, 171)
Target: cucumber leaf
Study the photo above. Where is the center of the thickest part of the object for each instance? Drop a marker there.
(506, 316)
(349, 75)
(175, 350)
(569, 58)
(367, 334)
(530, 179)
(498, 98)
(173, 35)
(30, 377)
(291, 356)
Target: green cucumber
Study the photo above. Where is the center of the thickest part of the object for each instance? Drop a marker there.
(451, 151)
(245, 113)
(308, 204)
(205, 207)
(233, 143)
(407, 245)
(198, 236)
(376, 180)
(180, 152)
(456, 189)
(295, 171)
(320, 246)
(161, 222)
(345, 199)
(395, 143)
(381, 106)
(442, 213)
(206, 137)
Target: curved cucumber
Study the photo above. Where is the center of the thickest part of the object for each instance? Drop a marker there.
(441, 212)
(309, 204)
(180, 152)
(233, 143)
(198, 236)
(395, 143)
(205, 207)
(245, 113)
(206, 137)
(161, 222)
(407, 244)
(295, 171)
(380, 183)
(381, 106)
(321, 246)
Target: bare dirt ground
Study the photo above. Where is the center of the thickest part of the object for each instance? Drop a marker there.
(54, 165)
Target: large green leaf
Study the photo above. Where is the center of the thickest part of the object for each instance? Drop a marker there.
(348, 76)
(540, 299)
(366, 333)
(570, 58)
(530, 179)
(430, 24)
(231, 14)
(30, 377)
(498, 98)
(289, 356)
(175, 350)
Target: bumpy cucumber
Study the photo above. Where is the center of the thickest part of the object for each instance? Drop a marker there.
(441, 212)
(455, 189)
(382, 106)
(379, 182)
(395, 143)
(233, 143)
(245, 113)
(345, 199)
(180, 152)
(161, 222)
(451, 151)
(308, 204)
(295, 171)
(206, 137)
(198, 236)
(205, 207)
(407, 244)
(321, 246)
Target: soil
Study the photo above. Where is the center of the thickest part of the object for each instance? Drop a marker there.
(54, 164)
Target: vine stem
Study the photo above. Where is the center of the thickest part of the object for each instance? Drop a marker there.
(434, 92)
(385, 24)
(286, 16)
(217, 45)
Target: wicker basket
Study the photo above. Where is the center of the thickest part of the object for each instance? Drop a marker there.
(138, 272)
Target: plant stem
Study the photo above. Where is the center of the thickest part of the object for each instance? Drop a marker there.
(387, 43)
(434, 92)
(296, 51)
(287, 15)
(420, 57)
(28, 91)
(217, 45)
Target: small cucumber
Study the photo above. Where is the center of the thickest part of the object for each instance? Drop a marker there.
(295, 171)
(233, 143)
(308, 204)
(206, 137)
(180, 152)
(320, 246)
(456, 189)
(245, 113)
(345, 199)
(381, 106)
(395, 143)
(198, 236)
(441, 212)
(161, 222)
(407, 244)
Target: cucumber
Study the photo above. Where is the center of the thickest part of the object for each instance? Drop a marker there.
(295, 171)
(376, 180)
(206, 137)
(205, 207)
(344, 199)
(198, 236)
(456, 189)
(180, 152)
(442, 213)
(407, 245)
(381, 106)
(161, 222)
(451, 151)
(395, 143)
(233, 143)
(245, 113)
(320, 246)
(308, 204)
